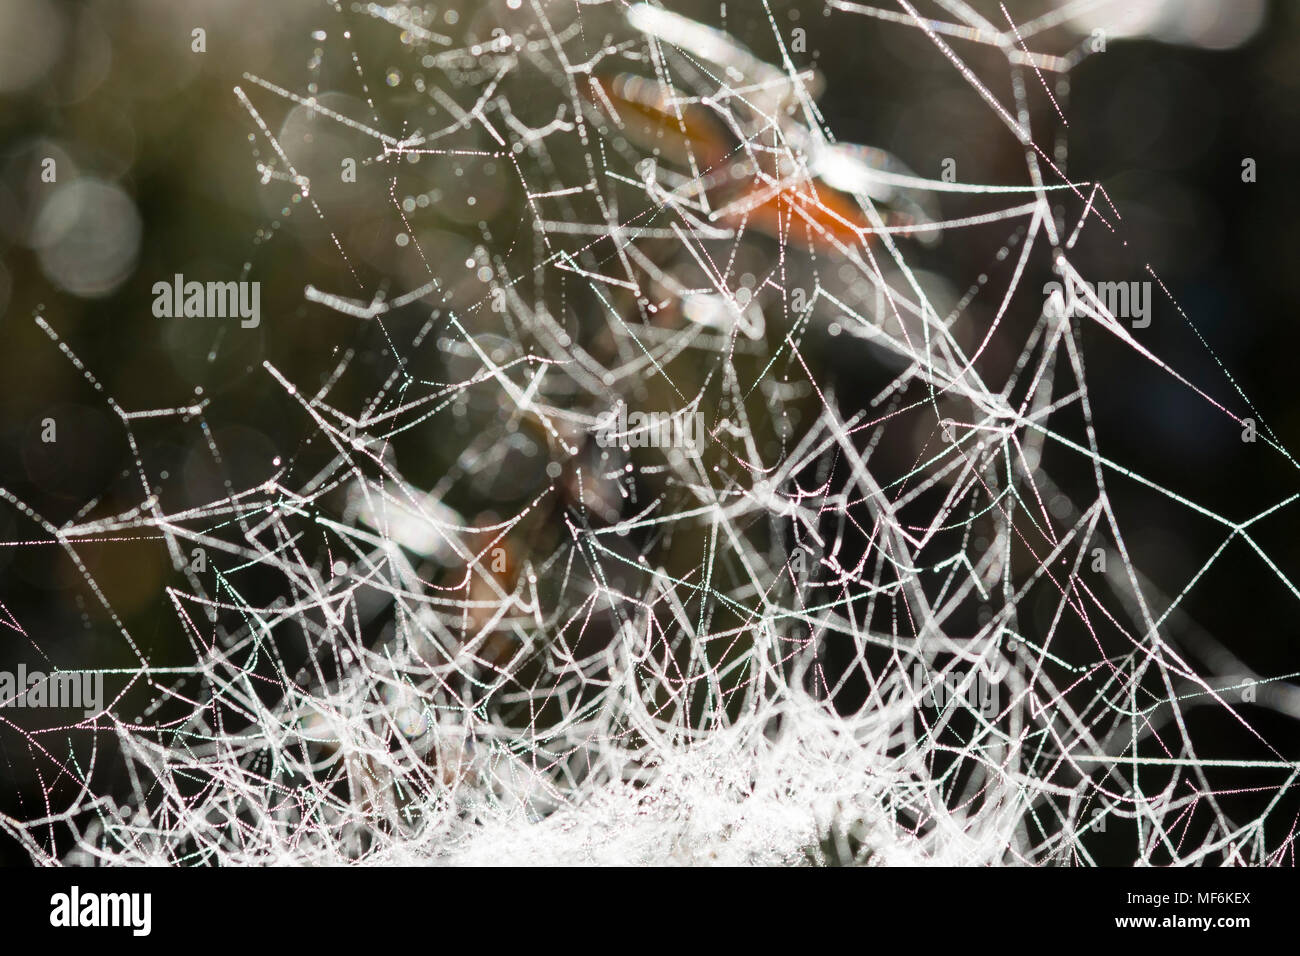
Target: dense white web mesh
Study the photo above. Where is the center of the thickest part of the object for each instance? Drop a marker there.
(807, 636)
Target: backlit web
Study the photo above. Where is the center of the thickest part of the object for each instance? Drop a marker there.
(862, 619)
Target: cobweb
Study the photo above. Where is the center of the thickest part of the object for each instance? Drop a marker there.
(808, 636)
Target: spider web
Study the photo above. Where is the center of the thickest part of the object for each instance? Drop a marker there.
(816, 634)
